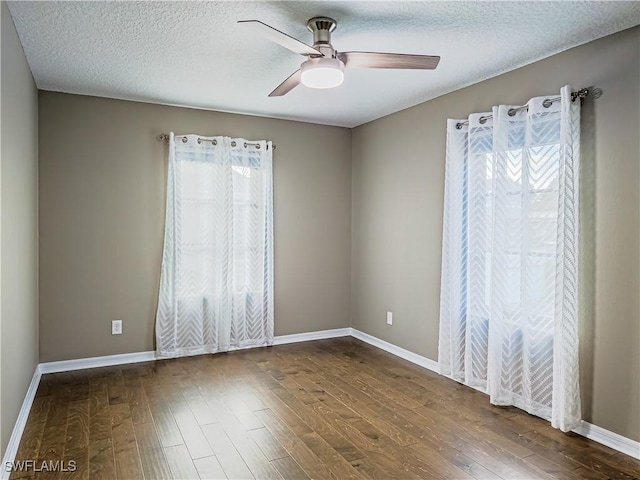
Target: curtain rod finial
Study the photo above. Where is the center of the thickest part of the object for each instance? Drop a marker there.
(581, 94)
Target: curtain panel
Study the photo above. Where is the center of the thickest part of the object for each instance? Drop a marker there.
(508, 311)
(216, 286)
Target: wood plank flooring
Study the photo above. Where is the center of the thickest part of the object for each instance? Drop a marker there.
(328, 409)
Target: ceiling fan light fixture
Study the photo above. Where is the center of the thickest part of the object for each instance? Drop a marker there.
(322, 72)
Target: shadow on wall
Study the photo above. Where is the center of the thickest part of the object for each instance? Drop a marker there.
(587, 252)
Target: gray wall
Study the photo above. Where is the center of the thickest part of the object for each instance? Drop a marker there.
(397, 205)
(19, 228)
(102, 201)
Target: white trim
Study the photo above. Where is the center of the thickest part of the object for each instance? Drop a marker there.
(93, 362)
(319, 335)
(610, 439)
(21, 422)
(398, 351)
(110, 360)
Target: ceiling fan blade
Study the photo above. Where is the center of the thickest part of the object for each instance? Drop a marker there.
(280, 38)
(388, 60)
(289, 84)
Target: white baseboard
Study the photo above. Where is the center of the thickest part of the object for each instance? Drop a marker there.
(93, 362)
(397, 351)
(305, 337)
(122, 359)
(21, 422)
(588, 430)
(610, 439)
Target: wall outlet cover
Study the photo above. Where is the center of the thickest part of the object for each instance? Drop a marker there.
(116, 327)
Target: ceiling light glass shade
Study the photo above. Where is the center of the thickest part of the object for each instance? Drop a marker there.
(322, 72)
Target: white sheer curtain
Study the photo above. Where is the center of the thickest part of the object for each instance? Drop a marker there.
(216, 286)
(508, 313)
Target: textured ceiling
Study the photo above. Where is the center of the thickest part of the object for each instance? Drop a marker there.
(194, 54)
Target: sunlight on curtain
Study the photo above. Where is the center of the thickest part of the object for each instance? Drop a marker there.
(216, 291)
(508, 314)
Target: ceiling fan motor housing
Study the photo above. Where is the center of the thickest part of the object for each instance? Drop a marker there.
(321, 28)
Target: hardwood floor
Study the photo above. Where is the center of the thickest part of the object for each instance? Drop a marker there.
(328, 409)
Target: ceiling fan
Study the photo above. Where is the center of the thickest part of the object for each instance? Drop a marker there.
(324, 67)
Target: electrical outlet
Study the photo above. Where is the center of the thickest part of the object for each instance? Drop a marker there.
(389, 318)
(116, 327)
